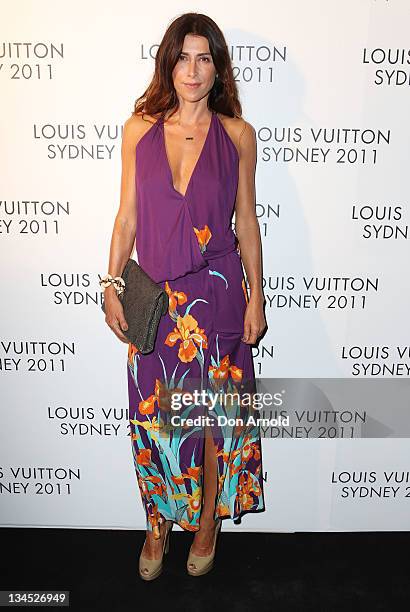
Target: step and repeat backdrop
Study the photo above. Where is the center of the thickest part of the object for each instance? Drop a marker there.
(326, 87)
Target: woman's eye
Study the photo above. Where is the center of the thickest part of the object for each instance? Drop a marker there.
(183, 57)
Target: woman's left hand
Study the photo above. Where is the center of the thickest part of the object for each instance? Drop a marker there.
(254, 320)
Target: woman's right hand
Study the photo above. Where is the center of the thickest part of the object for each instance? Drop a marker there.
(114, 313)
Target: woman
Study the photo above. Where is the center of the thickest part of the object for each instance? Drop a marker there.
(188, 161)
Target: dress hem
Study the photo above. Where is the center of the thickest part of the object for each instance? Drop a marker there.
(236, 519)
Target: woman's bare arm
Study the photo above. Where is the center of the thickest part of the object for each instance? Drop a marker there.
(248, 233)
(125, 225)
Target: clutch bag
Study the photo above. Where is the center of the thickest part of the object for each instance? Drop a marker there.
(144, 302)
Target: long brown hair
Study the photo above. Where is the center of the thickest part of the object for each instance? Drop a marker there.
(160, 95)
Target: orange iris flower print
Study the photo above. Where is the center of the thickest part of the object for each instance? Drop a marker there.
(190, 337)
(162, 396)
(147, 406)
(132, 350)
(245, 487)
(245, 291)
(192, 472)
(203, 235)
(221, 372)
(175, 298)
(193, 501)
(144, 456)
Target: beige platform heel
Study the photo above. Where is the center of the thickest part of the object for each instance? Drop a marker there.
(150, 569)
(198, 566)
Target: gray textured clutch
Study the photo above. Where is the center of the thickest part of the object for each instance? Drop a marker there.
(144, 303)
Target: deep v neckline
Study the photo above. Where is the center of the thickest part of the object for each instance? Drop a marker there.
(201, 154)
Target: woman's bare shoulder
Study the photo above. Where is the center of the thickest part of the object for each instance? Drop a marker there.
(137, 125)
(236, 127)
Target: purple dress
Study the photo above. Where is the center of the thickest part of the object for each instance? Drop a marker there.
(185, 242)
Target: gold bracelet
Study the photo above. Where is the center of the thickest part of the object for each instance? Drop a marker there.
(117, 281)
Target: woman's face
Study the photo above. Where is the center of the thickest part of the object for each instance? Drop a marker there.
(194, 72)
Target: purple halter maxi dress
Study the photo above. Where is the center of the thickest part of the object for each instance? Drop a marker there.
(185, 242)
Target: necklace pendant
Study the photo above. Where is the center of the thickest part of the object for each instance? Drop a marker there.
(189, 137)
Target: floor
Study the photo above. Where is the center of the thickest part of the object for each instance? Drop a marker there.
(253, 571)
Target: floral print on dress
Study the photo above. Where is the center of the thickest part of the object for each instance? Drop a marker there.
(190, 337)
(204, 235)
(167, 491)
(245, 291)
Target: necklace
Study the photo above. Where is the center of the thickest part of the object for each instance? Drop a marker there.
(187, 137)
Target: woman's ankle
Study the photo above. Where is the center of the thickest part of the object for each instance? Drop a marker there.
(208, 521)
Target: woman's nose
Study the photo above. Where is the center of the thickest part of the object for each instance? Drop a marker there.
(192, 68)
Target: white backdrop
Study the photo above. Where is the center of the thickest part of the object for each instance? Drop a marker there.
(326, 86)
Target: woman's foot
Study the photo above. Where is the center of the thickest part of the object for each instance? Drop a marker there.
(202, 553)
(151, 557)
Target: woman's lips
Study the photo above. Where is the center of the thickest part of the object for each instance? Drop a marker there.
(192, 85)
